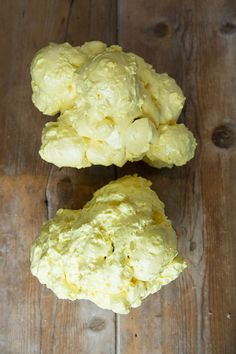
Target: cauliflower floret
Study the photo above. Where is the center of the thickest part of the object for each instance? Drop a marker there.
(163, 98)
(114, 105)
(93, 48)
(108, 87)
(54, 79)
(139, 137)
(175, 146)
(115, 251)
(62, 145)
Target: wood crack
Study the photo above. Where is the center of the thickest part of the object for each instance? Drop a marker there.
(47, 195)
(68, 18)
(117, 332)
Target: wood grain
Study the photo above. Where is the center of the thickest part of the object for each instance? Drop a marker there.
(195, 42)
(34, 321)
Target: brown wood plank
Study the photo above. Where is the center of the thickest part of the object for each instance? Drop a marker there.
(33, 320)
(195, 42)
(80, 325)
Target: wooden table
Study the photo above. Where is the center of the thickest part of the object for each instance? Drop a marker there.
(195, 42)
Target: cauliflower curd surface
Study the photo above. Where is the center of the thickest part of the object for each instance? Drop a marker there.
(115, 251)
(114, 108)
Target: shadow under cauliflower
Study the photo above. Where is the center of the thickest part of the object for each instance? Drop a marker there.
(115, 251)
(114, 108)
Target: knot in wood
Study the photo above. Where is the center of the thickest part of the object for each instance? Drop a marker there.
(158, 30)
(161, 30)
(193, 246)
(228, 28)
(97, 324)
(224, 136)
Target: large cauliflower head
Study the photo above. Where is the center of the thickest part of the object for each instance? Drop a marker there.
(114, 108)
(115, 251)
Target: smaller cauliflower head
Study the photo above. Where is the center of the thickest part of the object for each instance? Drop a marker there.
(114, 108)
(115, 251)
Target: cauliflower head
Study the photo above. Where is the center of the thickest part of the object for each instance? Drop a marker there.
(115, 251)
(114, 108)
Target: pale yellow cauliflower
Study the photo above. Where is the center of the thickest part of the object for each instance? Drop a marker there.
(114, 108)
(115, 251)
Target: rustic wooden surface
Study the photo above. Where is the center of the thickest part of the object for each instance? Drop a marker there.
(195, 42)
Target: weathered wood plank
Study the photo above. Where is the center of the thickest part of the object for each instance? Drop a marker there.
(34, 321)
(25, 27)
(195, 43)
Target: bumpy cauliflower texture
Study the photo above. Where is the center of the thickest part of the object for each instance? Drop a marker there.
(115, 251)
(114, 108)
